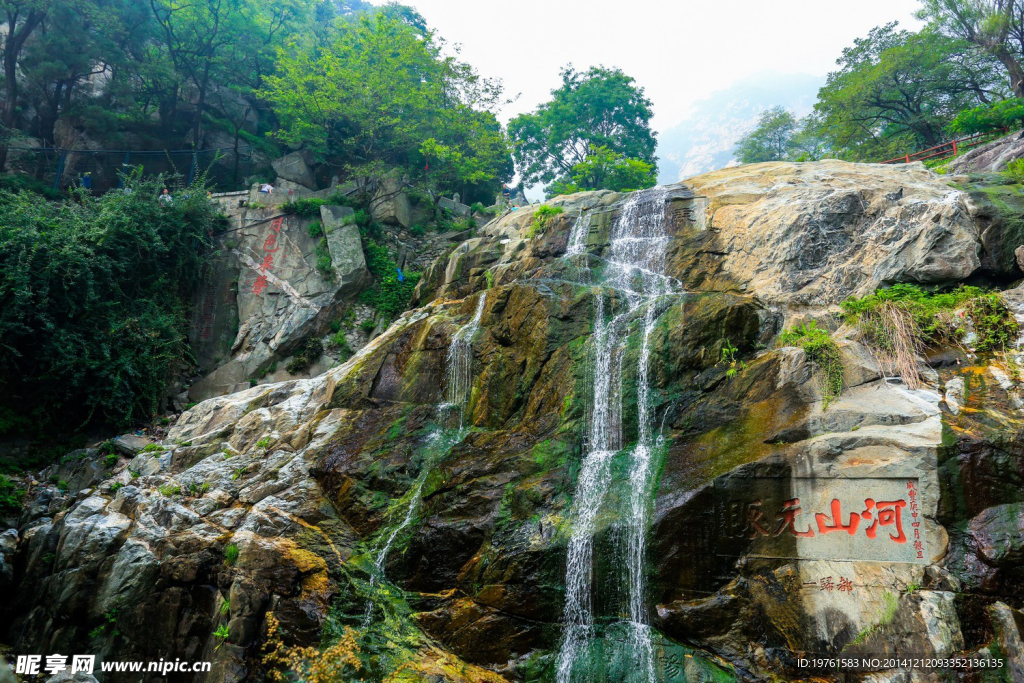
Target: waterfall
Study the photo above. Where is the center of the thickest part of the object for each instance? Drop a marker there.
(458, 380)
(578, 235)
(458, 377)
(636, 263)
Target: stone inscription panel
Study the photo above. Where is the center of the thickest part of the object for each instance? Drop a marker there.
(872, 519)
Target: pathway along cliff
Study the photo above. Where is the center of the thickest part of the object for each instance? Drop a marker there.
(587, 455)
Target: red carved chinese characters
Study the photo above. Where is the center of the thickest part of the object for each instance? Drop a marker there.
(827, 526)
(915, 524)
(888, 513)
(270, 245)
(787, 519)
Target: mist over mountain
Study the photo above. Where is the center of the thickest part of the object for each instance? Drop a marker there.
(706, 138)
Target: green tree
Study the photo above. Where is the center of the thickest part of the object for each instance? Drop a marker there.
(896, 90)
(604, 169)
(380, 95)
(600, 107)
(989, 117)
(995, 26)
(95, 297)
(217, 42)
(21, 18)
(771, 139)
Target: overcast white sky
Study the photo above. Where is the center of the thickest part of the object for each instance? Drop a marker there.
(678, 51)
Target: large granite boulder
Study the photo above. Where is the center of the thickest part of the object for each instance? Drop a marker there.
(990, 157)
(296, 167)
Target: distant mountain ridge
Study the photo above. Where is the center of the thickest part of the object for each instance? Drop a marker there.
(706, 139)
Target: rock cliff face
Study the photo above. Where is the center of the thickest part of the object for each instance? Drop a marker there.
(436, 514)
(266, 295)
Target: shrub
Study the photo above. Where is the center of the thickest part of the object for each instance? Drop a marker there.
(110, 459)
(18, 182)
(389, 296)
(316, 229)
(95, 299)
(11, 496)
(418, 230)
(901, 321)
(368, 325)
(324, 264)
(152, 448)
(340, 341)
(231, 555)
(305, 356)
(1015, 171)
(337, 662)
(169, 490)
(1006, 113)
(822, 351)
(310, 207)
(541, 217)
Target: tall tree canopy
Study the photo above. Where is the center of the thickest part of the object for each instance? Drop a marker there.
(380, 94)
(597, 108)
(897, 89)
(771, 139)
(995, 26)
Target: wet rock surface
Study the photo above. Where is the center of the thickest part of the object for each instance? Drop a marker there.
(308, 480)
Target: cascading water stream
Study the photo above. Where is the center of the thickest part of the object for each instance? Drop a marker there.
(578, 235)
(635, 268)
(458, 379)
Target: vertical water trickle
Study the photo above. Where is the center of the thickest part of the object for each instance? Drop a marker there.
(636, 260)
(458, 376)
(458, 380)
(578, 235)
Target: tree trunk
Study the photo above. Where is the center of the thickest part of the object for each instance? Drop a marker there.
(12, 50)
(1013, 68)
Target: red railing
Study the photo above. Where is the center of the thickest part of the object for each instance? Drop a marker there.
(947, 149)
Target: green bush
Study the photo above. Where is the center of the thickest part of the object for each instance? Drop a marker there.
(95, 297)
(231, 555)
(305, 356)
(388, 296)
(822, 351)
(18, 182)
(541, 217)
(901, 321)
(10, 496)
(1008, 113)
(324, 263)
(340, 342)
(368, 325)
(316, 229)
(1015, 171)
(310, 208)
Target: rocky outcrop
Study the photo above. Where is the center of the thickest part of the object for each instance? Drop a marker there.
(269, 292)
(883, 523)
(789, 234)
(990, 157)
(296, 167)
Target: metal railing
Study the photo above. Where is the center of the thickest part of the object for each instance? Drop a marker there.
(100, 169)
(947, 149)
